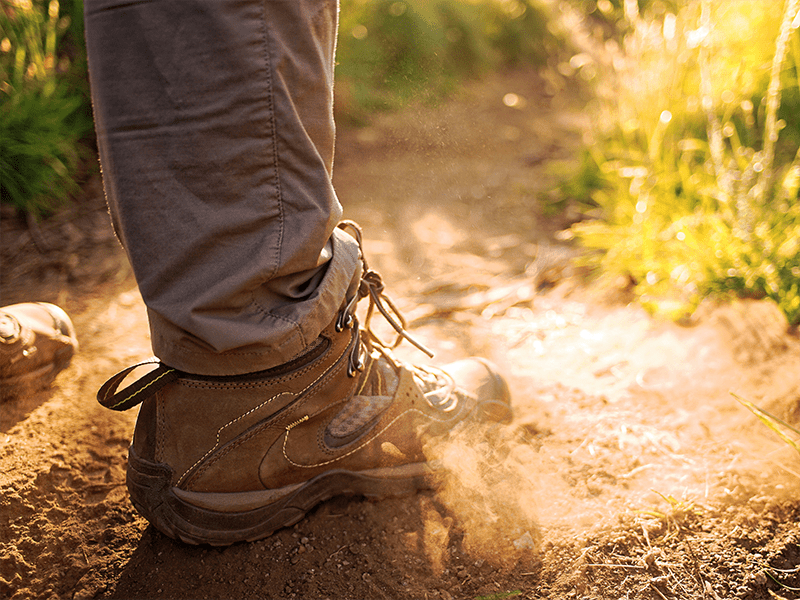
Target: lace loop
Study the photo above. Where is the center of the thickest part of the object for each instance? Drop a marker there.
(372, 286)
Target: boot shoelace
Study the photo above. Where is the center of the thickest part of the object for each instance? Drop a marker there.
(437, 384)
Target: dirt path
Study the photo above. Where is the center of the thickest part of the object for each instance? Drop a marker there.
(628, 472)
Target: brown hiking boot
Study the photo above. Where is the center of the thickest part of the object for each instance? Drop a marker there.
(219, 460)
(37, 341)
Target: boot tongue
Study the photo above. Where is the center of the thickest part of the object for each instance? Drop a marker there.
(379, 378)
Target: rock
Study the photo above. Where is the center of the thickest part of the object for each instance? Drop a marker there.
(524, 542)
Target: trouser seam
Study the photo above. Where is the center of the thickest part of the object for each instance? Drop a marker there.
(274, 130)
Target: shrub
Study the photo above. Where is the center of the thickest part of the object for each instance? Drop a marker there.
(694, 169)
(43, 107)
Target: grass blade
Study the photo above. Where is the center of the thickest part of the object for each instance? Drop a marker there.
(771, 421)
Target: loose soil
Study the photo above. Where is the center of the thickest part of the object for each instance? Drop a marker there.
(629, 470)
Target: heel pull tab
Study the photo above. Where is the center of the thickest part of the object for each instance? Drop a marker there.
(139, 390)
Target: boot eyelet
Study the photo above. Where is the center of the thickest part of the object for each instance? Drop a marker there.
(344, 320)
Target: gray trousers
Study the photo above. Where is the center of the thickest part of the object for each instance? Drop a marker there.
(215, 128)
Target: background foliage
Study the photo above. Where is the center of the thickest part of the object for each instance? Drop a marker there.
(44, 104)
(692, 172)
(393, 51)
(689, 180)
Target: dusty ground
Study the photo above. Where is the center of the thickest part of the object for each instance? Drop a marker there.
(629, 470)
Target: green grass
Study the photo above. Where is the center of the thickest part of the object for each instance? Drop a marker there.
(44, 106)
(780, 427)
(691, 182)
(676, 516)
(392, 52)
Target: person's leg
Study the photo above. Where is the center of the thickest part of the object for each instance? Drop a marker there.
(216, 135)
(215, 128)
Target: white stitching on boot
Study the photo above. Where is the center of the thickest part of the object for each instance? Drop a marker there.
(243, 415)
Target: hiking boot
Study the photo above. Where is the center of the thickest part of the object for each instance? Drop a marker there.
(37, 341)
(219, 460)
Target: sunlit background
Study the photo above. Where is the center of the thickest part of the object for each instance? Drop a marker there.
(688, 181)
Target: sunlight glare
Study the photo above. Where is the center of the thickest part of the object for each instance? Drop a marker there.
(511, 100)
(670, 21)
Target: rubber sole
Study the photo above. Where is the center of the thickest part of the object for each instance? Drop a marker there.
(223, 519)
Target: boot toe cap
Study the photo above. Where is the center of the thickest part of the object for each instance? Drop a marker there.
(481, 379)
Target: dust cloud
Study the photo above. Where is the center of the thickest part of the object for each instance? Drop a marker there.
(631, 424)
(492, 485)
